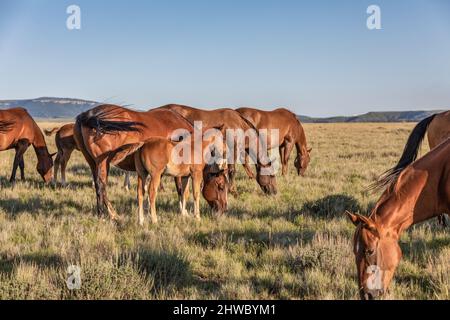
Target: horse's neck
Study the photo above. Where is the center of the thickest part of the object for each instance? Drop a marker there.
(39, 145)
(300, 140)
(403, 206)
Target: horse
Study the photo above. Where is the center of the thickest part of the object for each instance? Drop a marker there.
(232, 120)
(66, 144)
(438, 128)
(18, 131)
(158, 156)
(110, 134)
(417, 193)
(291, 133)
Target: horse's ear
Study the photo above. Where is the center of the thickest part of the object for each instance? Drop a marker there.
(366, 222)
(353, 217)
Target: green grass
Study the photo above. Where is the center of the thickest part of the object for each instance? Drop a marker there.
(296, 245)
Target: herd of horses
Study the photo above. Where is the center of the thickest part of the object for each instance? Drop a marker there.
(144, 142)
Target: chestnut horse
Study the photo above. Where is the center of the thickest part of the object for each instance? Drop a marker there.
(438, 128)
(417, 193)
(231, 120)
(18, 131)
(291, 134)
(109, 135)
(66, 144)
(156, 157)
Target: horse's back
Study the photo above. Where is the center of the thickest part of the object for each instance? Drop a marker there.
(17, 113)
(210, 118)
(275, 119)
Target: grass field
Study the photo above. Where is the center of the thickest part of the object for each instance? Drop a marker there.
(296, 245)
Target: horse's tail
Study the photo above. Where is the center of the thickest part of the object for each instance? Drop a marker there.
(50, 132)
(99, 119)
(409, 154)
(6, 126)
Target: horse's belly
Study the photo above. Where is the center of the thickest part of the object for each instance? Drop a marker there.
(176, 170)
(6, 142)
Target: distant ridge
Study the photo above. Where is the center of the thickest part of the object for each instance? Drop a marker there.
(66, 108)
(50, 108)
(388, 116)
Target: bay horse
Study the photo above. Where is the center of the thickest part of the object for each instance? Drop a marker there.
(109, 135)
(66, 144)
(291, 133)
(232, 120)
(18, 131)
(437, 127)
(417, 193)
(156, 158)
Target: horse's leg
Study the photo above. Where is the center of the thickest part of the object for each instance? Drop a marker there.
(102, 196)
(281, 150)
(56, 167)
(196, 186)
(152, 193)
(141, 189)
(247, 168)
(126, 182)
(64, 161)
(287, 152)
(22, 168)
(21, 147)
(184, 195)
(161, 186)
(232, 176)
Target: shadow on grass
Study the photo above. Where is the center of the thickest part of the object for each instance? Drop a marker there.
(266, 213)
(41, 260)
(37, 205)
(79, 169)
(252, 240)
(331, 206)
(34, 182)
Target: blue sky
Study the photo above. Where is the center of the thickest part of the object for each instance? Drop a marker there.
(315, 57)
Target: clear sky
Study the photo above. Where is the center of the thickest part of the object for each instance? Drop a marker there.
(316, 57)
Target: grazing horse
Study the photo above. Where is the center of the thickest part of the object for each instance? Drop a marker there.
(417, 193)
(18, 131)
(66, 144)
(158, 156)
(291, 134)
(109, 135)
(438, 128)
(231, 120)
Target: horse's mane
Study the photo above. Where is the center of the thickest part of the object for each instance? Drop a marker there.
(6, 126)
(409, 155)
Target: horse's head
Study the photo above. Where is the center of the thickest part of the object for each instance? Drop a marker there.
(215, 189)
(302, 161)
(265, 176)
(377, 255)
(45, 165)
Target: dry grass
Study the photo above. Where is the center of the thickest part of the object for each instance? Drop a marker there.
(296, 245)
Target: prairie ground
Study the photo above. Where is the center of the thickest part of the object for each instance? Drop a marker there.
(296, 245)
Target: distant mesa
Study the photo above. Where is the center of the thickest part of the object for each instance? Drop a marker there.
(68, 108)
(388, 116)
(50, 108)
